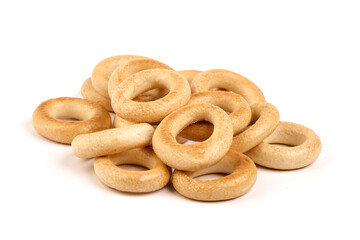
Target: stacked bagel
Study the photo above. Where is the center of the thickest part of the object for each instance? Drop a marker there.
(157, 110)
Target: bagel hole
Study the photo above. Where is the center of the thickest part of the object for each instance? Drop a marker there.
(220, 89)
(151, 95)
(68, 119)
(194, 137)
(282, 145)
(210, 176)
(132, 167)
(181, 140)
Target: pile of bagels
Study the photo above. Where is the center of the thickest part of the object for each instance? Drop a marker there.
(179, 125)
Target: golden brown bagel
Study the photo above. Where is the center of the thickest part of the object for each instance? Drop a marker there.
(89, 92)
(111, 141)
(242, 176)
(240, 113)
(124, 71)
(120, 179)
(91, 117)
(224, 79)
(265, 117)
(154, 111)
(305, 147)
(196, 156)
(103, 70)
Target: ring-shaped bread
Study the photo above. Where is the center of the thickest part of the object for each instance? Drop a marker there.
(199, 155)
(265, 118)
(152, 111)
(89, 92)
(241, 177)
(238, 108)
(304, 147)
(231, 81)
(124, 71)
(107, 170)
(103, 70)
(89, 117)
(111, 141)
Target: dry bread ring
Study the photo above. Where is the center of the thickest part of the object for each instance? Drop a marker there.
(189, 74)
(224, 79)
(199, 155)
(111, 141)
(240, 113)
(305, 147)
(103, 70)
(124, 71)
(120, 122)
(154, 111)
(242, 176)
(89, 92)
(265, 117)
(120, 179)
(46, 118)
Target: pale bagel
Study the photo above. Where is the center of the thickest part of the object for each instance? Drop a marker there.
(242, 176)
(110, 174)
(305, 147)
(153, 111)
(90, 117)
(199, 155)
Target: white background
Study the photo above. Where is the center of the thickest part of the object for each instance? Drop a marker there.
(304, 56)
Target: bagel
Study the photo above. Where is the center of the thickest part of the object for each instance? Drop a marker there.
(305, 147)
(224, 79)
(107, 170)
(103, 70)
(89, 92)
(265, 118)
(111, 141)
(195, 156)
(240, 113)
(153, 111)
(242, 176)
(47, 121)
(124, 71)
